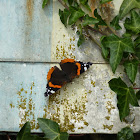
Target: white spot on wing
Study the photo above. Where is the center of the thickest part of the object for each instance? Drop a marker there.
(85, 68)
(52, 91)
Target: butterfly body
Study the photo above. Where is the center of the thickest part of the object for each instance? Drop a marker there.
(69, 70)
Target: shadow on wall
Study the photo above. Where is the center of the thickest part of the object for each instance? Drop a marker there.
(78, 137)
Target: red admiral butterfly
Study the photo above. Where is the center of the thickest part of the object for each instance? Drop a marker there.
(70, 69)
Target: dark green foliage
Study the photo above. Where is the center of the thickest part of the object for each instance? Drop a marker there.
(125, 96)
(24, 133)
(70, 2)
(75, 15)
(133, 24)
(105, 50)
(131, 67)
(115, 23)
(128, 5)
(49, 127)
(85, 4)
(101, 21)
(117, 47)
(137, 41)
(138, 95)
(87, 20)
(52, 130)
(81, 40)
(64, 16)
(125, 134)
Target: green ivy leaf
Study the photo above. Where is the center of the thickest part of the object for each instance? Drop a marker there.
(70, 2)
(64, 16)
(128, 5)
(115, 23)
(75, 4)
(75, 15)
(65, 1)
(137, 46)
(63, 136)
(125, 96)
(131, 68)
(127, 34)
(85, 4)
(125, 134)
(117, 47)
(89, 20)
(83, 1)
(101, 21)
(137, 41)
(104, 1)
(138, 95)
(134, 23)
(137, 53)
(105, 51)
(52, 130)
(24, 133)
(45, 2)
(81, 40)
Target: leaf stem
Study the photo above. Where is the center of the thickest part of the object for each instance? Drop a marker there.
(92, 38)
(95, 41)
(92, 29)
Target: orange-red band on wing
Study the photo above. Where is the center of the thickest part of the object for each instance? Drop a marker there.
(49, 73)
(54, 86)
(79, 68)
(67, 60)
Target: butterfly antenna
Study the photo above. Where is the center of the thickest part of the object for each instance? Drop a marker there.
(89, 63)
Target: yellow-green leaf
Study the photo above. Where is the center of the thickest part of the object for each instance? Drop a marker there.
(44, 3)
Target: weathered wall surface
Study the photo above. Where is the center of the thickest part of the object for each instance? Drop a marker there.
(87, 105)
(25, 31)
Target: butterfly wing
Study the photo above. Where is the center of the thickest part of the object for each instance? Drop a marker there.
(56, 79)
(73, 68)
(69, 67)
